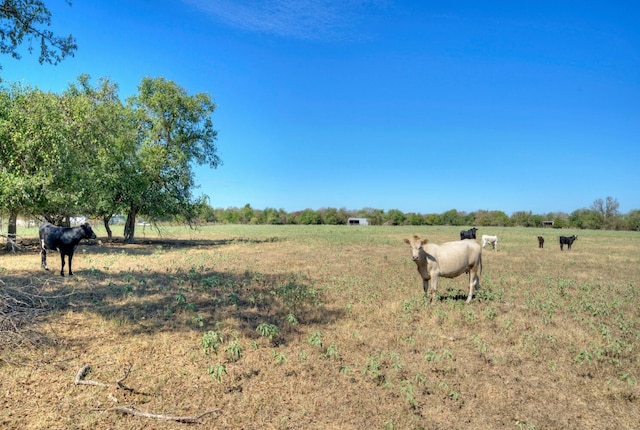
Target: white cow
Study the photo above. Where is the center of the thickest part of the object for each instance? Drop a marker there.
(493, 240)
(448, 260)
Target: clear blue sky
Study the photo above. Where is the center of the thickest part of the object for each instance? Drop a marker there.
(410, 105)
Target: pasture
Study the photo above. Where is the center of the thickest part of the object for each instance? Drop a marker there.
(298, 327)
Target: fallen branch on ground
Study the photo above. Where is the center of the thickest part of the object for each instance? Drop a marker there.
(191, 419)
(20, 307)
(82, 373)
(80, 379)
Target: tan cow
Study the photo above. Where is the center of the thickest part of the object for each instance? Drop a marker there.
(450, 259)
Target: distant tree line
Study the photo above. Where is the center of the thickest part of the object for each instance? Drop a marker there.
(601, 215)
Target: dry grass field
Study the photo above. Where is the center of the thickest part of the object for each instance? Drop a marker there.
(295, 327)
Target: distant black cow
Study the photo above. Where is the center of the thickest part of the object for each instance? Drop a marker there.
(64, 239)
(468, 234)
(564, 240)
(540, 242)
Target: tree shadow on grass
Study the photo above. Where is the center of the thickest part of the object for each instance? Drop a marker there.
(141, 246)
(191, 300)
(158, 299)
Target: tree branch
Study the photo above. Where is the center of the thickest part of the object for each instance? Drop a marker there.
(191, 419)
(80, 380)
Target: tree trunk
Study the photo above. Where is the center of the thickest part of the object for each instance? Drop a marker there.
(12, 231)
(130, 225)
(106, 220)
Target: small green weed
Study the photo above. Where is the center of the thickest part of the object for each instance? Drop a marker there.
(269, 331)
(373, 369)
(315, 339)
(216, 371)
(409, 393)
(279, 357)
(212, 340)
(332, 352)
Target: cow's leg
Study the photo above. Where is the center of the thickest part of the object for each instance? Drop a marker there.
(43, 257)
(473, 283)
(434, 288)
(62, 264)
(70, 258)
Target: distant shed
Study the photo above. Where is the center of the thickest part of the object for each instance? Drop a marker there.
(358, 221)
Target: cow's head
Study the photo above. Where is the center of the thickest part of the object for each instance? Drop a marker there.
(88, 231)
(416, 246)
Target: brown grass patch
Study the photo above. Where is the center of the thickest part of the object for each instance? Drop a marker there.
(326, 327)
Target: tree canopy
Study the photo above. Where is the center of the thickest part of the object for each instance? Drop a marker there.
(174, 131)
(28, 21)
(86, 152)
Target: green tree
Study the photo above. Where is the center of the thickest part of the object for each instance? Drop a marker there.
(432, 219)
(415, 219)
(560, 219)
(333, 216)
(482, 218)
(309, 217)
(395, 217)
(107, 136)
(452, 217)
(607, 210)
(246, 214)
(273, 216)
(585, 218)
(205, 212)
(632, 220)
(32, 150)
(175, 131)
(27, 21)
(499, 218)
(522, 219)
(375, 216)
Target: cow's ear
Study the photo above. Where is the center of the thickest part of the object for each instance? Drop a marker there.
(424, 241)
(407, 241)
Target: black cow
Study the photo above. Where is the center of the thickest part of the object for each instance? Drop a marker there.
(64, 239)
(468, 234)
(564, 240)
(540, 242)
